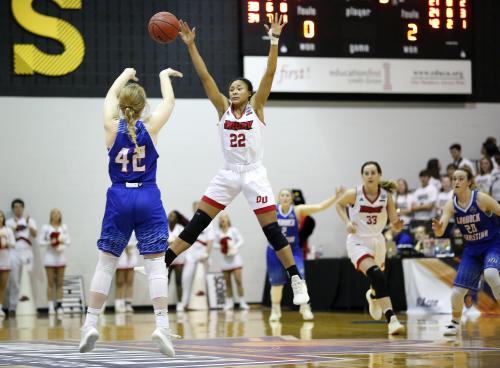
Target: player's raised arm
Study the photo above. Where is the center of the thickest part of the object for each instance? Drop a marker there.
(309, 209)
(160, 116)
(262, 94)
(439, 226)
(111, 100)
(214, 95)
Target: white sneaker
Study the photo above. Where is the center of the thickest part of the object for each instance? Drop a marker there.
(162, 337)
(275, 313)
(179, 307)
(395, 327)
(373, 306)
(88, 338)
(52, 310)
(307, 314)
(120, 306)
(244, 305)
(60, 311)
(2, 313)
(229, 305)
(453, 329)
(299, 288)
(128, 307)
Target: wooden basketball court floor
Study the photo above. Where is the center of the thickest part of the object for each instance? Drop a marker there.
(247, 339)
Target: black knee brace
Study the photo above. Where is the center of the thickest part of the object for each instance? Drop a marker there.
(378, 282)
(275, 236)
(197, 224)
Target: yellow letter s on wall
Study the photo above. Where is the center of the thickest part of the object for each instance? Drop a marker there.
(28, 59)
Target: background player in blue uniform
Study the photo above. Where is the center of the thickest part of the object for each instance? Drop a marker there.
(133, 202)
(288, 219)
(475, 217)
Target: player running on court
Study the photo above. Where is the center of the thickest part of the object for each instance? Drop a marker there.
(476, 217)
(241, 126)
(133, 202)
(369, 206)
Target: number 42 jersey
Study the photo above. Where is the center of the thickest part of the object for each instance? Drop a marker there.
(125, 165)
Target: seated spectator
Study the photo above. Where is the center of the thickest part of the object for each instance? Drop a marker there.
(483, 180)
(490, 149)
(458, 160)
(422, 241)
(495, 182)
(434, 169)
(401, 238)
(424, 199)
(444, 196)
(403, 201)
(450, 170)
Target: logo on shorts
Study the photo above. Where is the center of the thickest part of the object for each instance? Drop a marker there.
(491, 260)
(261, 199)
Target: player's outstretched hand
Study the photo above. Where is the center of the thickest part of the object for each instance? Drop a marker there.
(437, 226)
(397, 225)
(351, 228)
(171, 73)
(276, 25)
(130, 73)
(187, 35)
(339, 191)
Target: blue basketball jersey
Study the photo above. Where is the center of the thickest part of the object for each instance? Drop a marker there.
(289, 224)
(476, 226)
(127, 166)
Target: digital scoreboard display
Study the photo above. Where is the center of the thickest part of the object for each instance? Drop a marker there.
(363, 46)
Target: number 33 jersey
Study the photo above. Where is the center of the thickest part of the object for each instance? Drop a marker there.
(126, 165)
(369, 217)
(241, 137)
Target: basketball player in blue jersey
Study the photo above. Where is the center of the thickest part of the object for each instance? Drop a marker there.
(476, 217)
(133, 200)
(241, 126)
(288, 219)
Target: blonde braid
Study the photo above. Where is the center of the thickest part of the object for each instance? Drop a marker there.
(130, 119)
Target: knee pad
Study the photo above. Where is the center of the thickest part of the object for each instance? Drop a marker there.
(492, 277)
(197, 224)
(104, 272)
(275, 236)
(457, 299)
(157, 277)
(378, 282)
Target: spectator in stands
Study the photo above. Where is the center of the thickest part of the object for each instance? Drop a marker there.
(400, 237)
(458, 160)
(403, 201)
(450, 169)
(434, 169)
(422, 240)
(55, 237)
(444, 196)
(490, 149)
(483, 180)
(25, 231)
(495, 182)
(424, 199)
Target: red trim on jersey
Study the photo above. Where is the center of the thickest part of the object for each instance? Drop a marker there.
(368, 199)
(201, 242)
(262, 210)
(59, 266)
(363, 257)
(236, 116)
(213, 203)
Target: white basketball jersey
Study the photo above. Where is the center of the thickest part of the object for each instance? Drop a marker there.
(241, 137)
(370, 217)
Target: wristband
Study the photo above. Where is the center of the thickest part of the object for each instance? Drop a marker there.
(274, 38)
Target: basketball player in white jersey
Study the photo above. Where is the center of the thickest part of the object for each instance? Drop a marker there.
(241, 125)
(369, 206)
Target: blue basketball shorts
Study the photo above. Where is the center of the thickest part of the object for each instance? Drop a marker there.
(475, 259)
(276, 272)
(138, 209)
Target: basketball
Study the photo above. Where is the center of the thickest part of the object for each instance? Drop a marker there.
(163, 27)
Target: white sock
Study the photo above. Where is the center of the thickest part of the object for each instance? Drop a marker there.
(161, 317)
(92, 317)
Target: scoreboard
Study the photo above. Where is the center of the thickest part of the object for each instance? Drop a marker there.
(363, 46)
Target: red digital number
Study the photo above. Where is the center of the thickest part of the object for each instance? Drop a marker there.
(371, 220)
(237, 140)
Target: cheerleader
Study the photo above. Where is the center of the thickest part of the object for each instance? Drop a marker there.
(55, 237)
(229, 240)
